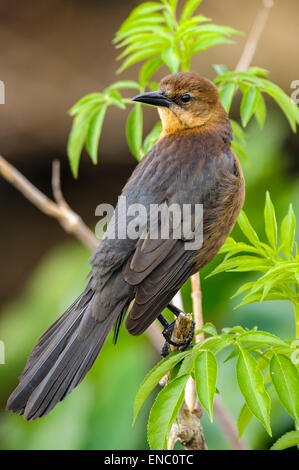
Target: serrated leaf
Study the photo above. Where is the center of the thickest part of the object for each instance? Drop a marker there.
(247, 229)
(241, 264)
(208, 328)
(249, 103)
(94, 132)
(157, 43)
(244, 419)
(86, 102)
(153, 378)
(290, 439)
(77, 137)
(261, 111)
(286, 104)
(226, 95)
(250, 380)
(189, 8)
(205, 375)
(135, 22)
(164, 412)
(145, 8)
(172, 4)
(116, 99)
(261, 337)
(130, 84)
(287, 233)
(220, 69)
(258, 71)
(138, 57)
(171, 57)
(148, 70)
(285, 378)
(144, 29)
(134, 131)
(270, 222)
(203, 45)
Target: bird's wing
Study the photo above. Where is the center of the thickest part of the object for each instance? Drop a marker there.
(158, 268)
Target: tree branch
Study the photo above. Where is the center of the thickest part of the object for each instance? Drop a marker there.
(254, 36)
(68, 219)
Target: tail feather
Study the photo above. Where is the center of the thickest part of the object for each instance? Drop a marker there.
(61, 359)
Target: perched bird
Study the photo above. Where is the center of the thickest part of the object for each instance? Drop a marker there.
(192, 163)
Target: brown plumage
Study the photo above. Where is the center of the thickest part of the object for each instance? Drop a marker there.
(192, 163)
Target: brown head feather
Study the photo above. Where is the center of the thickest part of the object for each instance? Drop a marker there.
(203, 111)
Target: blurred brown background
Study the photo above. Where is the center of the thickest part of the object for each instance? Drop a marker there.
(55, 51)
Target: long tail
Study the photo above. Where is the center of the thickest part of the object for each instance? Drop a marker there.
(61, 358)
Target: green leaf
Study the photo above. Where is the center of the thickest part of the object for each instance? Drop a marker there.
(290, 439)
(258, 71)
(287, 233)
(250, 380)
(249, 103)
(205, 375)
(241, 264)
(130, 84)
(137, 46)
(152, 137)
(244, 419)
(261, 111)
(164, 412)
(86, 102)
(131, 24)
(208, 328)
(153, 378)
(189, 8)
(138, 57)
(239, 151)
(220, 69)
(247, 229)
(226, 95)
(116, 99)
(77, 137)
(286, 104)
(285, 378)
(261, 337)
(201, 45)
(172, 4)
(148, 70)
(171, 57)
(270, 222)
(134, 131)
(145, 8)
(94, 132)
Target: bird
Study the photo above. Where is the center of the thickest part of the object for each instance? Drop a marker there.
(193, 163)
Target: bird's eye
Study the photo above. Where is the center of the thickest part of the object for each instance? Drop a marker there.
(186, 98)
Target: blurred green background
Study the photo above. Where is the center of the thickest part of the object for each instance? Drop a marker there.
(43, 270)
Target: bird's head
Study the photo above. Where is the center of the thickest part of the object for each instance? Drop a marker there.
(185, 100)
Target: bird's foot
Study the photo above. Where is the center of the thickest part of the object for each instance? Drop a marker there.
(168, 332)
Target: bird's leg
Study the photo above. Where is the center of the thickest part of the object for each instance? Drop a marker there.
(169, 328)
(175, 310)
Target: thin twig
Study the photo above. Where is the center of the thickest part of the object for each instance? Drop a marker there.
(68, 219)
(196, 295)
(56, 185)
(254, 36)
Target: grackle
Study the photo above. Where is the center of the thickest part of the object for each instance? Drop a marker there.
(191, 163)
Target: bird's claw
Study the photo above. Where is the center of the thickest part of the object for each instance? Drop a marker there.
(167, 333)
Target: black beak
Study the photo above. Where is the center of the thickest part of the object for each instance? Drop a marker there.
(155, 98)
